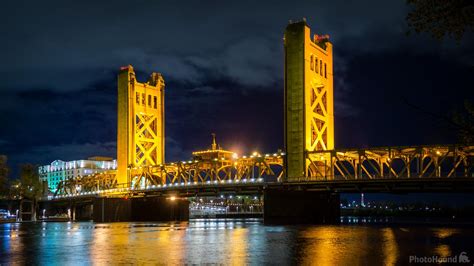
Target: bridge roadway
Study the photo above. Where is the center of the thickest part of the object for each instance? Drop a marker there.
(257, 186)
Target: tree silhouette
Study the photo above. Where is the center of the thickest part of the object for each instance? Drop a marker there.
(465, 122)
(441, 17)
(4, 170)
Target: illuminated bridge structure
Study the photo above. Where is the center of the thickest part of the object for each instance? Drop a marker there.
(301, 183)
(404, 169)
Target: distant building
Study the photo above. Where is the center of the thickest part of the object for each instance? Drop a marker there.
(60, 170)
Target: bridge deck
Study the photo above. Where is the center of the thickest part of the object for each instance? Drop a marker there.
(423, 185)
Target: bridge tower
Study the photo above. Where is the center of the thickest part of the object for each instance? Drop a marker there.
(141, 127)
(309, 116)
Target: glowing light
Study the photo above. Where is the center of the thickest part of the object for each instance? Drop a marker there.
(235, 156)
(173, 198)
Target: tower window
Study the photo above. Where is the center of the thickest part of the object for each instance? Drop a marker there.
(311, 62)
(149, 100)
(154, 102)
(143, 99)
(325, 71)
(321, 67)
(316, 62)
(137, 98)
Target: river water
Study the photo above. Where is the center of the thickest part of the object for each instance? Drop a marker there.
(236, 242)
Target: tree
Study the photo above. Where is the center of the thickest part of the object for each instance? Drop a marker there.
(460, 121)
(31, 186)
(441, 17)
(4, 170)
(465, 123)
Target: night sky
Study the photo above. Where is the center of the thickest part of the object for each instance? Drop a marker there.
(222, 62)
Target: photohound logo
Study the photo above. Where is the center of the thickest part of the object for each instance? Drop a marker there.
(461, 258)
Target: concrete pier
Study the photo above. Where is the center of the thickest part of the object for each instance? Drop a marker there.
(140, 209)
(300, 207)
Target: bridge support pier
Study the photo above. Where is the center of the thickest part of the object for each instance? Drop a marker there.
(283, 206)
(140, 209)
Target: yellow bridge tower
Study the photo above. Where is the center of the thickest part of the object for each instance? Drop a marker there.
(309, 116)
(141, 128)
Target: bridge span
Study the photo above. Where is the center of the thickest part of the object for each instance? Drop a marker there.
(336, 170)
(410, 169)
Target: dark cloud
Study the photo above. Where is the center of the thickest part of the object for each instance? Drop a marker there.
(223, 66)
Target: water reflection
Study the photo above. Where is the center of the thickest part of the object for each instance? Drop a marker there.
(225, 242)
(390, 246)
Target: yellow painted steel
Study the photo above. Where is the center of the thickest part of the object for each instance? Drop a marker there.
(140, 128)
(309, 100)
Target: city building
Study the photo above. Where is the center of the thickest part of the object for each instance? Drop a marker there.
(60, 170)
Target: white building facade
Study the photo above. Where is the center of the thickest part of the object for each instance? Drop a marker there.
(59, 170)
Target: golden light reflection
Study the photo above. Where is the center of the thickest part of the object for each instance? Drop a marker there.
(238, 241)
(443, 251)
(334, 245)
(445, 232)
(390, 247)
(136, 243)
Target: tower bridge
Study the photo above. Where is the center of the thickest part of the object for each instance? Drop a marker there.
(299, 184)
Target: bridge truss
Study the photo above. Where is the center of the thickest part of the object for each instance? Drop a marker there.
(385, 163)
(391, 162)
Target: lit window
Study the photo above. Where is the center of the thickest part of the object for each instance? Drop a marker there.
(154, 102)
